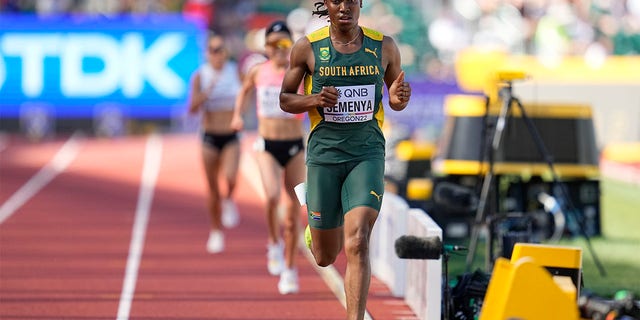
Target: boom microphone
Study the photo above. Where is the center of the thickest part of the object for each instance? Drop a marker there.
(412, 247)
(424, 248)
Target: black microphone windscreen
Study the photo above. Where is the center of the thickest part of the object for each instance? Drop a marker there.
(424, 248)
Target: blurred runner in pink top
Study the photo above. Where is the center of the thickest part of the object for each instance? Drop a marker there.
(279, 153)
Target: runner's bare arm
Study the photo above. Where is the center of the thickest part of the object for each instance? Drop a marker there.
(194, 100)
(301, 64)
(399, 90)
(248, 84)
(197, 96)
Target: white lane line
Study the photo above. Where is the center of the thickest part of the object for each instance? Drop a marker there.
(60, 161)
(150, 170)
(329, 274)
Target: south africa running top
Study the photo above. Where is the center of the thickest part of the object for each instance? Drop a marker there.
(352, 129)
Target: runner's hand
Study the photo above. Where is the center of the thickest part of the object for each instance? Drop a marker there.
(237, 123)
(399, 93)
(328, 97)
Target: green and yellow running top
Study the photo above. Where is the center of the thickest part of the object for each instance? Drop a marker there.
(352, 129)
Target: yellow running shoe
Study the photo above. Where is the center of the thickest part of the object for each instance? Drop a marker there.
(307, 237)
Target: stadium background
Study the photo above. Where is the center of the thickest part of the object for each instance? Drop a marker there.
(603, 35)
(431, 35)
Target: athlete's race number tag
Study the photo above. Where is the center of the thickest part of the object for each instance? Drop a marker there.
(355, 104)
(269, 99)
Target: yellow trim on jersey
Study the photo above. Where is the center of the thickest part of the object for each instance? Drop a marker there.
(308, 84)
(319, 34)
(314, 116)
(323, 33)
(380, 115)
(373, 34)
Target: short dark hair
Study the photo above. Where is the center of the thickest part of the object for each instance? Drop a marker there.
(323, 12)
(320, 12)
(278, 26)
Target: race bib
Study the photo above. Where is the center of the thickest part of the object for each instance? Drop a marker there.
(355, 104)
(269, 102)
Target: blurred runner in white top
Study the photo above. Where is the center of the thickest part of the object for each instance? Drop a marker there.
(213, 92)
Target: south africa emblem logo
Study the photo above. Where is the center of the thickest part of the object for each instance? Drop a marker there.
(324, 54)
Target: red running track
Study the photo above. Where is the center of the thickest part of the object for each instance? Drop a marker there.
(116, 229)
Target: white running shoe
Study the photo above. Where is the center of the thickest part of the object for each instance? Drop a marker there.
(230, 216)
(288, 283)
(215, 244)
(275, 258)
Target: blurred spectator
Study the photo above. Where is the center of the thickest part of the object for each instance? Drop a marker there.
(16, 6)
(49, 7)
(438, 29)
(202, 10)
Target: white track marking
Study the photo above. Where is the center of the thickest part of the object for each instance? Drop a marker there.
(150, 170)
(60, 161)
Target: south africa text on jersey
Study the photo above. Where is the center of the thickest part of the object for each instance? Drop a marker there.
(348, 71)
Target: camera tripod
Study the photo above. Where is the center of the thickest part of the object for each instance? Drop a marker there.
(505, 93)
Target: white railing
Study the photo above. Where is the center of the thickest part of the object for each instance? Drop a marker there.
(418, 281)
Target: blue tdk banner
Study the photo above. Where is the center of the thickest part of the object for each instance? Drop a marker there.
(73, 64)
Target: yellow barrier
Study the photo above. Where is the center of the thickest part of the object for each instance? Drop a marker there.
(539, 283)
(525, 290)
